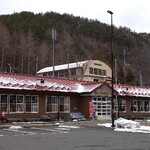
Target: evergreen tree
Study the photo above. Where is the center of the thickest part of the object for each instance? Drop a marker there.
(130, 78)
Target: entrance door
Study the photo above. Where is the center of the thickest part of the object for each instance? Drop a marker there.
(102, 107)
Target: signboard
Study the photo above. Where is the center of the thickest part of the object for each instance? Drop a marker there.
(103, 91)
(91, 109)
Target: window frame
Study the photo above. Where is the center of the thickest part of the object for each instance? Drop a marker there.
(34, 105)
(120, 105)
(137, 106)
(4, 103)
(66, 104)
(51, 105)
(15, 105)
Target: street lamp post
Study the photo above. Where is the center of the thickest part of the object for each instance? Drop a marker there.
(112, 67)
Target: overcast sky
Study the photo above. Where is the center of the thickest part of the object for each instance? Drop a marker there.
(134, 14)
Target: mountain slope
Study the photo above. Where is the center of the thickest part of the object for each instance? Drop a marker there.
(26, 44)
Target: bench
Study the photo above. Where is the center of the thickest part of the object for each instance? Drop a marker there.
(74, 116)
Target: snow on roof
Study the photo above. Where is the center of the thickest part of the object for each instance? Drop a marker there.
(62, 67)
(128, 90)
(27, 82)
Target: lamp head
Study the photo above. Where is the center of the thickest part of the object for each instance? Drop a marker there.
(110, 12)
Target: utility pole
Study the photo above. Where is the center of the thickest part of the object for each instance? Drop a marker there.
(124, 61)
(125, 64)
(68, 60)
(141, 79)
(36, 66)
(54, 35)
(116, 70)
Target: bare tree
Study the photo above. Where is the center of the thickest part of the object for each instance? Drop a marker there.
(4, 45)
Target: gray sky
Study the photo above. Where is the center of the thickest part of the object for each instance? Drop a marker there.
(134, 14)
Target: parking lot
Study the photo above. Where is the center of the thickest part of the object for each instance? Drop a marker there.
(19, 131)
(71, 137)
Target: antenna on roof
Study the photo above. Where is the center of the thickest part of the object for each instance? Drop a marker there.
(54, 35)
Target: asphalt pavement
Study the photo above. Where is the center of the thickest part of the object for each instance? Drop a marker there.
(89, 136)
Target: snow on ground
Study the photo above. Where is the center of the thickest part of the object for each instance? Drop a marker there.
(15, 127)
(70, 127)
(125, 125)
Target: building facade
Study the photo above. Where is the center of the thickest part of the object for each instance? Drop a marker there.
(25, 96)
(89, 70)
(132, 101)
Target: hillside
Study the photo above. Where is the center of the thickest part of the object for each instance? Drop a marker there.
(26, 44)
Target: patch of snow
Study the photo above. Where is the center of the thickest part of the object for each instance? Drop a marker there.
(57, 123)
(15, 127)
(108, 125)
(71, 127)
(75, 120)
(80, 88)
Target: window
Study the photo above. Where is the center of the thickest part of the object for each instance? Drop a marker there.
(91, 70)
(95, 71)
(100, 71)
(79, 71)
(64, 104)
(95, 80)
(3, 102)
(56, 73)
(50, 74)
(146, 105)
(104, 72)
(66, 72)
(120, 105)
(61, 73)
(16, 103)
(73, 72)
(140, 105)
(97, 64)
(31, 103)
(51, 104)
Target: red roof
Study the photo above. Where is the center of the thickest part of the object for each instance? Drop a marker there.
(28, 82)
(129, 90)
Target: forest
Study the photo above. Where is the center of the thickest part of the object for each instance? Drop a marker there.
(26, 45)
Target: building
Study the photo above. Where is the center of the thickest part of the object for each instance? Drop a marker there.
(89, 70)
(25, 97)
(133, 101)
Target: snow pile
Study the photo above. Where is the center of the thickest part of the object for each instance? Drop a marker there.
(124, 123)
